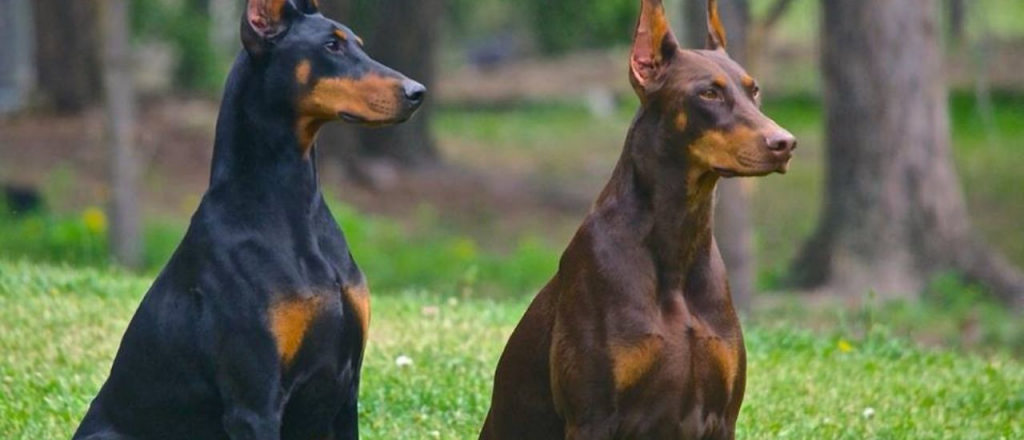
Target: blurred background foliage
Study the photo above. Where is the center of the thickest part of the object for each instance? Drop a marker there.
(531, 104)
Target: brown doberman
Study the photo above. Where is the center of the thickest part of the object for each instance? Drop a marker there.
(636, 336)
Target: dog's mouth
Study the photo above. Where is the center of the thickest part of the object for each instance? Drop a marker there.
(359, 120)
(349, 117)
(728, 173)
(725, 172)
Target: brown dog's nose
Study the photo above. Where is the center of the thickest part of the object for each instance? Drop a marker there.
(414, 92)
(781, 141)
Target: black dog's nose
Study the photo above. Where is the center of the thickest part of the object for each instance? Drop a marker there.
(414, 91)
(781, 142)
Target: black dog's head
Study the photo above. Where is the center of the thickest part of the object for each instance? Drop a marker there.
(320, 69)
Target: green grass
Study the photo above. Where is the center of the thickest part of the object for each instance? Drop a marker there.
(424, 255)
(61, 328)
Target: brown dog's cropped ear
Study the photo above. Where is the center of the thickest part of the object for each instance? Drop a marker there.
(716, 32)
(263, 21)
(654, 45)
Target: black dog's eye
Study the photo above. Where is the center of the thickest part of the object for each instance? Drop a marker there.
(712, 95)
(755, 92)
(334, 46)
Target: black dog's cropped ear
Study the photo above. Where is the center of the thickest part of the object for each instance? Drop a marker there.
(716, 32)
(654, 45)
(264, 20)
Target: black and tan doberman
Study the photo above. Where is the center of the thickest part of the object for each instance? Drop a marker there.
(256, 327)
(636, 336)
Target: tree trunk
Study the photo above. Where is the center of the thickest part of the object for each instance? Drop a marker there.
(733, 227)
(125, 230)
(956, 11)
(16, 60)
(403, 35)
(405, 38)
(894, 213)
(68, 53)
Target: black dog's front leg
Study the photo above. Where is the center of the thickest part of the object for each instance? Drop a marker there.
(346, 423)
(249, 379)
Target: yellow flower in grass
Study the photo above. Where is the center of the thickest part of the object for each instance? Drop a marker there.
(845, 346)
(95, 220)
(465, 248)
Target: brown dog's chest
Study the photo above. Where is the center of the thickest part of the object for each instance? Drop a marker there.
(693, 381)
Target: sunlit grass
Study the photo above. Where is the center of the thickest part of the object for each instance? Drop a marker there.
(61, 328)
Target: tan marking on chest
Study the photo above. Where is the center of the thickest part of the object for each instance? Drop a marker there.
(359, 298)
(630, 362)
(289, 322)
(726, 359)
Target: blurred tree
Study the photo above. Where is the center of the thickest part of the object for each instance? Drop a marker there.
(192, 34)
(560, 26)
(956, 12)
(404, 37)
(894, 213)
(402, 34)
(733, 228)
(67, 53)
(125, 230)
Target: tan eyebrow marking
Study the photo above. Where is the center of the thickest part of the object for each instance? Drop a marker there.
(748, 82)
(302, 72)
(341, 35)
(720, 81)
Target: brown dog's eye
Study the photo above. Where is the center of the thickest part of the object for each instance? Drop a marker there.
(711, 95)
(334, 46)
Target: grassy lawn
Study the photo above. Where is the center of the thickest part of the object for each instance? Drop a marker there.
(60, 328)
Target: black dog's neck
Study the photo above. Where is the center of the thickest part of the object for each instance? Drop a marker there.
(257, 158)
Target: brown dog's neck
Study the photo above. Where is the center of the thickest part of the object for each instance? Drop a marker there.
(670, 204)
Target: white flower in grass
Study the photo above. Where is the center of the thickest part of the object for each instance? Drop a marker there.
(869, 412)
(403, 361)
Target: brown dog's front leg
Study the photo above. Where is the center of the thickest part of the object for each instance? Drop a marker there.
(598, 431)
(582, 384)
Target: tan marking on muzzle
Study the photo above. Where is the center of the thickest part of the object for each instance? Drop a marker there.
(372, 98)
(718, 149)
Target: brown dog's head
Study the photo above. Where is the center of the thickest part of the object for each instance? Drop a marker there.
(708, 105)
(321, 70)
